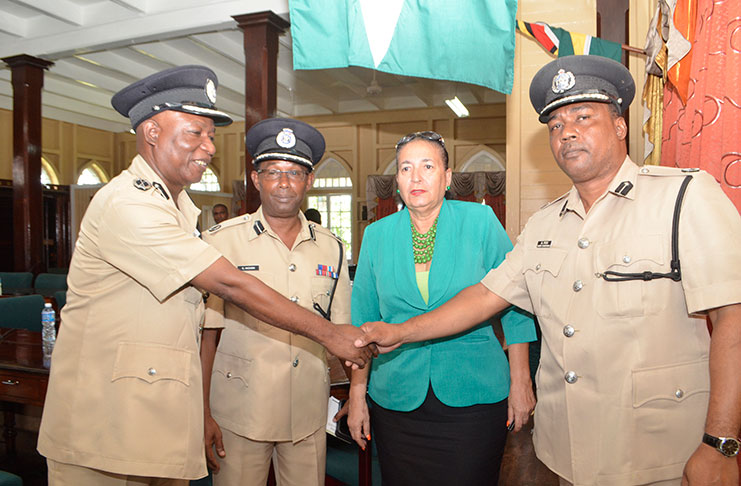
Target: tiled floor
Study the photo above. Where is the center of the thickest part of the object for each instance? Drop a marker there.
(520, 467)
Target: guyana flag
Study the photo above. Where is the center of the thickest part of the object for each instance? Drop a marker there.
(564, 43)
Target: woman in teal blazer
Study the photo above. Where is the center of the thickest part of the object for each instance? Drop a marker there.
(439, 408)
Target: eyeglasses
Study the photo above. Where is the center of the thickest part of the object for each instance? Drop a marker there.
(275, 174)
(426, 135)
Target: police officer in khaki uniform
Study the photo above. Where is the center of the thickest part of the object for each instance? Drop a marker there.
(124, 403)
(620, 281)
(269, 387)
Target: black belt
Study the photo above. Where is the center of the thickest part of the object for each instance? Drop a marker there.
(676, 272)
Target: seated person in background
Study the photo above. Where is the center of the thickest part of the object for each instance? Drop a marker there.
(220, 213)
(268, 388)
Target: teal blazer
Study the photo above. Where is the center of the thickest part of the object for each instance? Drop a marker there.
(465, 369)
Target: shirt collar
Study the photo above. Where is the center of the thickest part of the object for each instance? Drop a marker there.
(261, 226)
(621, 186)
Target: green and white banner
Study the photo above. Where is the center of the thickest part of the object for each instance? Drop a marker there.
(470, 41)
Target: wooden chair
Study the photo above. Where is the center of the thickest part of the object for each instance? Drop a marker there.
(23, 312)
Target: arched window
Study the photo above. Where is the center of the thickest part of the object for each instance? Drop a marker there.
(48, 175)
(331, 195)
(208, 183)
(484, 161)
(92, 174)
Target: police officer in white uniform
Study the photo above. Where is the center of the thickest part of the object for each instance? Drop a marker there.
(269, 387)
(621, 272)
(124, 403)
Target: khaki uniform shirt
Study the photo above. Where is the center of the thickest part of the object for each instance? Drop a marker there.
(623, 382)
(270, 384)
(125, 392)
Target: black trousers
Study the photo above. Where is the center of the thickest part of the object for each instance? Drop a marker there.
(440, 445)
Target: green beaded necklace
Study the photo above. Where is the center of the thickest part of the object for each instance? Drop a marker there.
(423, 244)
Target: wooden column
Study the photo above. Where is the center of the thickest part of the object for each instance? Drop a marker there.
(27, 77)
(261, 31)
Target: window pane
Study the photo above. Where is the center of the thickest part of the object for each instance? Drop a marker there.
(88, 177)
(45, 179)
(209, 182)
(340, 219)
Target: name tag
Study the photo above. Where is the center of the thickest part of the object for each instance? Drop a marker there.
(544, 244)
(248, 268)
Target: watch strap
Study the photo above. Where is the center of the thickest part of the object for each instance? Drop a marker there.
(728, 446)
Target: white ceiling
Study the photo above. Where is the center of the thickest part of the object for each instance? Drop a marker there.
(100, 46)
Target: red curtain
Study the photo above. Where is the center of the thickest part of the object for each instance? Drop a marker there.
(385, 207)
(706, 133)
(497, 204)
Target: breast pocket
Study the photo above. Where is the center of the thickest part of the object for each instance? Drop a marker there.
(632, 298)
(540, 268)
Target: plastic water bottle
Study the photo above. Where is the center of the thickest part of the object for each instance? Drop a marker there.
(48, 332)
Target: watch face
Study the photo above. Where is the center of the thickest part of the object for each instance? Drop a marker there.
(729, 447)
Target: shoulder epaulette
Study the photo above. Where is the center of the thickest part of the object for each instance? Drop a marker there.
(559, 198)
(660, 170)
(229, 223)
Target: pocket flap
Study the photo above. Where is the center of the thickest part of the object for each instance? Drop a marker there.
(674, 382)
(624, 253)
(152, 362)
(231, 367)
(539, 261)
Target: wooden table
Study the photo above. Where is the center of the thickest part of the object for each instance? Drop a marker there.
(23, 378)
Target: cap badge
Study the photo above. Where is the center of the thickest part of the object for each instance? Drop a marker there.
(211, 91)
(286, 138)
(563, 81)
(142, 184)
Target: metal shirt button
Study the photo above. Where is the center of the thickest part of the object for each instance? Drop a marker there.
(679, 393)
(568, 330)
(571, 377)
(295, 362)
(644, 170)
(578, 285)
(228, 374)
(537, 267)
(294, 298)
(292, 267)
(151, 372)
(583, 243)
(626, 259)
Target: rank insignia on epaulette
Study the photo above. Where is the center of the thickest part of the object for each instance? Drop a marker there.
(326, 271)
(142, 184)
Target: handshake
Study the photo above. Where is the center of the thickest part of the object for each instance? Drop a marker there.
(358, 345)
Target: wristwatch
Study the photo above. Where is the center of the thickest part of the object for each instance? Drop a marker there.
(728, 446)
